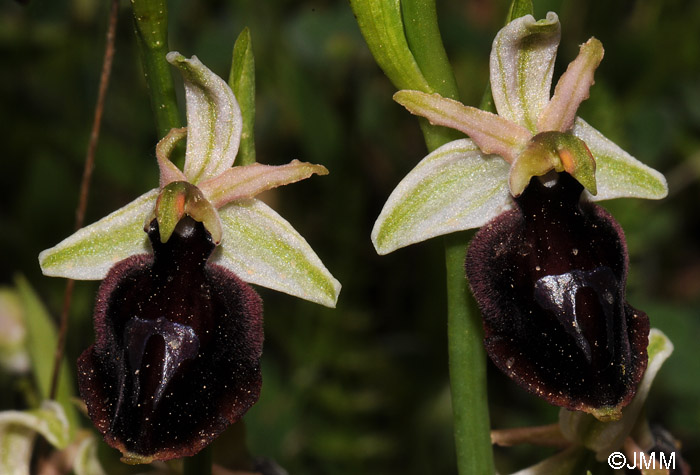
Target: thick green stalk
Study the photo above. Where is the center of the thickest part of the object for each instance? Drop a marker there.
(470, 409)
(423, 38)
(467, 358)
(151, 24)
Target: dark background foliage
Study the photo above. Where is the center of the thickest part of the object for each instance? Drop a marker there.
(362, 388)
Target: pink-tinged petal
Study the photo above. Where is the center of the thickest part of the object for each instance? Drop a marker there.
(240, 183)
(168, 171)
(572, 89)
(214, 121)
(522, 61)
(493, 134)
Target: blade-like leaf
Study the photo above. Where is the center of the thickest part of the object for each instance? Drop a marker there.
(382, 26)
(242, 80)
(618, 174)
(454, 188)
(214, 120)
(572, 89)
(89, 253)
(493, 134)
(605, 437)
(245, 182)
(260, 247)
(18, 430)
(522, 62)
(42, 339)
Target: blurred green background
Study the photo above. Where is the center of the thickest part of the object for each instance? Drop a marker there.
(362, 388)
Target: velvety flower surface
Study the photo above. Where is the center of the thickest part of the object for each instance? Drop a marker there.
(178, 331)
(549, 277)
(548, 270)
(177, 351)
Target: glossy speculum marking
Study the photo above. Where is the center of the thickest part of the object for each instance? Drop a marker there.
(549, 277)
(177, 352)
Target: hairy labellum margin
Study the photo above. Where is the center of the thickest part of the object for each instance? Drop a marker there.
(549, 277)
(177, 352)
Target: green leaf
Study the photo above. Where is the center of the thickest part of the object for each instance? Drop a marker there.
(18, 431)
(606, 437)
(382, 26)
(41, 342)
(214, 120)
(242, 80)
(260, 247)
(520, 8)
(618, 174)
(522, 62)
(90, 252)
(452, 189)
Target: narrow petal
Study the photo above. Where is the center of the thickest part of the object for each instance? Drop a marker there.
(493, 134)
(245, 182)
(603, 438)
(572, 89)
(618, 174)
(89, 253)
(522, 61)
(214, 121)
(454, 188)
(261, 248)
(168, 171)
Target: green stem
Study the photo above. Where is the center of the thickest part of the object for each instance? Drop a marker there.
(423, 38)
(467, 359)
(467, 365)
(198, 464)
(151, 24)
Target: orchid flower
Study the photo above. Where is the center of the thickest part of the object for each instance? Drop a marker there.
(178, 331)
(254, 242)
(549, 268)
(466, 183)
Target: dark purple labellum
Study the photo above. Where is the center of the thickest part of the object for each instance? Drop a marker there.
(177, 351)
(549, 277)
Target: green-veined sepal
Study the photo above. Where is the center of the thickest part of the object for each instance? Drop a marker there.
(262, 248)
(522, 62)
(454, 188)
(619, 174)
(214, 120)
(90, 252)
